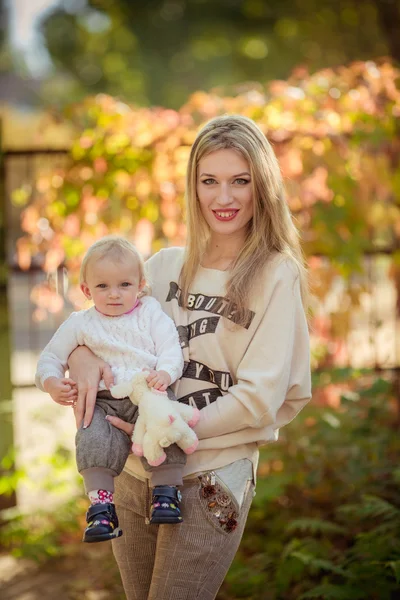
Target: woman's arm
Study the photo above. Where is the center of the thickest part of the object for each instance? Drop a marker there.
(87, 369)
(273, 378)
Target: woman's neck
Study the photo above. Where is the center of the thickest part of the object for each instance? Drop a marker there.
(222, 251)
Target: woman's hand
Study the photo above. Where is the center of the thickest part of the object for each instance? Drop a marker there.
(87, 370)
(120, 424)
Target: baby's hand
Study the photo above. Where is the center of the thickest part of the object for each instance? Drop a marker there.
(63, 391)
(159, 380)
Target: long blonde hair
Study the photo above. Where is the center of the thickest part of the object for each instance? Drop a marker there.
(271, 228)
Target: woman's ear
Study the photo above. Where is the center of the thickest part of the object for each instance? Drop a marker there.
(86, 291)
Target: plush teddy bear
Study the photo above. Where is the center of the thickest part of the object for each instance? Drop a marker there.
(161, 421)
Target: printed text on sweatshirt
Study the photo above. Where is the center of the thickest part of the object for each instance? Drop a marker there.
(249, 381)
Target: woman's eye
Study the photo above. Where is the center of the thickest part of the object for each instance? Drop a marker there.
(241, 181)
(208, 181)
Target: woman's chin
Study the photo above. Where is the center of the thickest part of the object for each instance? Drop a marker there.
(228, 228)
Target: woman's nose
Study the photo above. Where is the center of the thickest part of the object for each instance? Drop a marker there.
(224, 196)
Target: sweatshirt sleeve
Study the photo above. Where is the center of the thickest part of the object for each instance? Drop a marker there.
(154, 270)
(152, 264)
(166, 341)
(53, 361)
(273, 378)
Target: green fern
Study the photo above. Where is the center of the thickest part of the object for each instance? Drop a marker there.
(395, 566)
(332, 592)
(382, 530)
(288, 572)
(316, 565)
(293, 544)
(374, 546)
(371, 507)
(315, 527)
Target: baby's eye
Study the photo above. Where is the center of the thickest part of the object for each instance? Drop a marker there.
(101, 286)
(125, 284)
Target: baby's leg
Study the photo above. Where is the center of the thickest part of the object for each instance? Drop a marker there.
(102, 449)
(174, 462)
(166, 496)
(101, 453)
(165, 479)
(171, 468)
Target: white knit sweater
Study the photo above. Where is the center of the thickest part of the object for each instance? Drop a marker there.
(146, 337)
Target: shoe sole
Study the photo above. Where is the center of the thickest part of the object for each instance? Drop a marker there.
(104, 537)
(165, 521)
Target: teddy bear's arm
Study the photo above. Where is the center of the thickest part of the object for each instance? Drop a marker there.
(189, 414)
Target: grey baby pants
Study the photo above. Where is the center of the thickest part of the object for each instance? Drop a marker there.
(102, 449)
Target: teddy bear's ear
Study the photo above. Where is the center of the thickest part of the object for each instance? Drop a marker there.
(171, 419)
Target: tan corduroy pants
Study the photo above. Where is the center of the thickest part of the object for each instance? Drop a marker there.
(176, 562)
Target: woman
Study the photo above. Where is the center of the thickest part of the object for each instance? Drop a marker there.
(237, 294)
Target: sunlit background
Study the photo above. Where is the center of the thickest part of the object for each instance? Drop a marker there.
(99, 103)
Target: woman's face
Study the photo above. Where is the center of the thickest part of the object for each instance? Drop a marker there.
(224, 191)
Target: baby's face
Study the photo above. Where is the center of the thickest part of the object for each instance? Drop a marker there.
(113, 285)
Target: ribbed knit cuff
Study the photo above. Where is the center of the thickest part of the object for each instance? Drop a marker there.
(166, 475)
(42, 378)
(172, 372)
(98, 478)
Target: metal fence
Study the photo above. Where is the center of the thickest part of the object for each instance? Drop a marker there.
(28, 336)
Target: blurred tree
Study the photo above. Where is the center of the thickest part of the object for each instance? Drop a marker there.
(6, 425)
(336, 135)
(389, 18)
(157, 52)
(5, 58)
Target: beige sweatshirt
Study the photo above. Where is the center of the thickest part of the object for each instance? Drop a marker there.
(248, 381)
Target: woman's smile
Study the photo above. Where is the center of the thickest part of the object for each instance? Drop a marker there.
(226, 215)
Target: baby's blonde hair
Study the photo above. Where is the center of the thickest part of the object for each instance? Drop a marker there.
(116, 248)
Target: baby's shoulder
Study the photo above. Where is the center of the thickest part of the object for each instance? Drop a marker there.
(87, 314)
(151, 311)
(89, 319)
(76, 317)
(148, 305)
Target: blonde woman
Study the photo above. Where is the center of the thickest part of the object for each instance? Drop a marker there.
(237, 294)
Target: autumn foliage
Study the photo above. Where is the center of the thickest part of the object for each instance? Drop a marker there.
(336, 134)
(325, 520)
